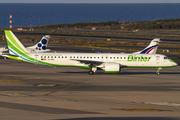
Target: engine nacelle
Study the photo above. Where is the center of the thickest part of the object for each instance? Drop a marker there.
(112, 68)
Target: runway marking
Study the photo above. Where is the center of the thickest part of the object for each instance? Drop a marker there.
(138, 109)
(163, 104)
(59, 90)
(14, 94)
(46, 85)
(11, 80)
(56, 100)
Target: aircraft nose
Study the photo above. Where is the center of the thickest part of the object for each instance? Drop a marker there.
(175, 64)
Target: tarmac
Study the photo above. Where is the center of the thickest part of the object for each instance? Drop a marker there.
(35, 92)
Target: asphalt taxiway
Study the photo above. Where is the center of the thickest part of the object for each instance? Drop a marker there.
(29, 91)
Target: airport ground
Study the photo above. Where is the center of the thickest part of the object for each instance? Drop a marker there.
(34, 92)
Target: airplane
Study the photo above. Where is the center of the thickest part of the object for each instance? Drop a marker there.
(109, 62)
(39, 47)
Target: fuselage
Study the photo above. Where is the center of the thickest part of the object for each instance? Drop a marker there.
(109, 62)
(125, 60)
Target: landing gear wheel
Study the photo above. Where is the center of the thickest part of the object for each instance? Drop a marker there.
(91, 72)
(157, 73)
(158, 69)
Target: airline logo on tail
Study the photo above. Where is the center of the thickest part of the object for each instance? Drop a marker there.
(43, 43)
(14, 45)
(41, 46)
(16, 49)
(151, 48)
(148, 50)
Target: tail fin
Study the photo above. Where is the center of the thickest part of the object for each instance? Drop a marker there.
(152, 48)
(40, 46)
(14, 45)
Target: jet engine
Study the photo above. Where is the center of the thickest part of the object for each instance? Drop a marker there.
(112, 68)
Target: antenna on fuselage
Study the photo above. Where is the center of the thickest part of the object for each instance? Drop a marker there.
(93, 50)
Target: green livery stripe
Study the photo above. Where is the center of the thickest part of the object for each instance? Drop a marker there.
(12, 39)
(12, 47)
(111, 71)
(149, 66)
(14, 58)
(171, 61)
(48, 64)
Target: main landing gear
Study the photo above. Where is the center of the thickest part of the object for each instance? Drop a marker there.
(91, 72)
(158, 69)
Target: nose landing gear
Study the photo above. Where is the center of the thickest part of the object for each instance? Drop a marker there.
(157, 72)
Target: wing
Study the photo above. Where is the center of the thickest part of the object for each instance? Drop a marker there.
(91, 63)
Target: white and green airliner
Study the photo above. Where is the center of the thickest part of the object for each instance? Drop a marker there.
(109, 62)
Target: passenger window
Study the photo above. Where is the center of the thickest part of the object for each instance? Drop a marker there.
(110, 57)
(117, 57)
(51, 56)
(54, 56)
(65, 56)
(62, 56)
(165, 58)
(58, 56)
(114, 57)
(70, 57)
(124, 57)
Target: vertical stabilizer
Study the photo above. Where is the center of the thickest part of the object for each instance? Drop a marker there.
(14, 45)
(151, 49)
(41, 46)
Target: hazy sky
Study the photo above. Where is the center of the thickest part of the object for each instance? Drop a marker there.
(89, 1)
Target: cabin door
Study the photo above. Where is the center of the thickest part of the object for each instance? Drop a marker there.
(36, 58)
(157, 59)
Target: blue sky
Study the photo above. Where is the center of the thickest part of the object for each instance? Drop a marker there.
(89, 1)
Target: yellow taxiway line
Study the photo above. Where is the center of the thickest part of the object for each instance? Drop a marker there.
(11, 80)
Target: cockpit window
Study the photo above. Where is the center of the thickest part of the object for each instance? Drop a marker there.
(165, 58)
